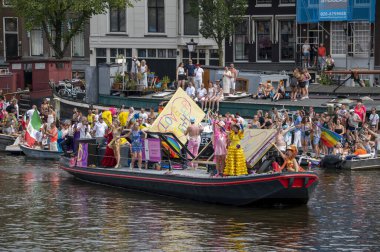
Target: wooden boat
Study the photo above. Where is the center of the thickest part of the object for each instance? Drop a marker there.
(40, 154)
(360, 162)
(285, 188)
(6, 140)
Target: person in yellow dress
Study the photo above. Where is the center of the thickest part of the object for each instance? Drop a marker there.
(235, 160)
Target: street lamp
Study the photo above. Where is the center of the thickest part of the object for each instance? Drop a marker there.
(121, 60)
(191, 47)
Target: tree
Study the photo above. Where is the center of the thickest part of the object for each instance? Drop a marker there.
(61, 20)
(218, 19)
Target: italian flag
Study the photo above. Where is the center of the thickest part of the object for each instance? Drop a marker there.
(32, 129)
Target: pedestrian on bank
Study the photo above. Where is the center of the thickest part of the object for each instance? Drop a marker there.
(199, 72)
(190, 71)
(321, 56)
(180, 76)
(234, 75)
(306, 53)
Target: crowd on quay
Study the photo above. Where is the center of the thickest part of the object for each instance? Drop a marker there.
(302, 129)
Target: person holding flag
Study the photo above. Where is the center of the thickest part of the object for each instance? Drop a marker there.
(33, 128)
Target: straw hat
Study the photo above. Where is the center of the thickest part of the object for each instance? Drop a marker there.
(293, 148)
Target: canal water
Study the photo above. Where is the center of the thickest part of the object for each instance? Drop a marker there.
(44, 209)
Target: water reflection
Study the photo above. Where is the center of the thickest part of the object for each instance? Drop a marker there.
(43, 208)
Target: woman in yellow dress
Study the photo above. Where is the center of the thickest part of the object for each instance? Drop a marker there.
(235, 160)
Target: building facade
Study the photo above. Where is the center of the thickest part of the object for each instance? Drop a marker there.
(16, 43)
(266, 39)
(346, 27)
(154, 30)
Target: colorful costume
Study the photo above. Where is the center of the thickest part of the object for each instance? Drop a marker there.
(109, 157)
(235, 161)
(136, 141)
(220, 140)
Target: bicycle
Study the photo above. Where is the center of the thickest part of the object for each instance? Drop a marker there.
(69, 90)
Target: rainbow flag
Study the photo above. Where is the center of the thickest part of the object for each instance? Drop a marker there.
(330, 138)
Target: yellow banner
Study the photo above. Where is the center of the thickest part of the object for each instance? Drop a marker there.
(176, 115)
(256, 143)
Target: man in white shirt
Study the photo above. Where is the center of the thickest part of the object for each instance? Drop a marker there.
(190, 90)
(84, 128)
(374, 120)
(30, 112)
(100, 128)
(306, 53)
(143, 115)
(198, 76)
(201, 95)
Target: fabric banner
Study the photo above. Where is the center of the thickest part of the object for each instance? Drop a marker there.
(82, 155)
(256, 143)
(333, 10)
(152, 147)
(176, 115)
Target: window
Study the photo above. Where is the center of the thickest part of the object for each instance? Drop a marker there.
(115, 52)
(141, 53)
(362, 2)
(263, 38)
(101, 55)
(241, 44)
(190, 23)
(287, 1)
(287, 39)
(161, 53)
(172, 53)
(78, 45)
(11, 36)
(361, 33)
(117, 20)
(214, 57)
(156, 16)
(36, 42)
(338, 38)
(152, 53)
(263, 2)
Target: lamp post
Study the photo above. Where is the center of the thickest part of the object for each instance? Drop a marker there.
(121, 60)
(191, 47)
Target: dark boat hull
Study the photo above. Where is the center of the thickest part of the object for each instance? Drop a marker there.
(335, 162)
(6, 140)
(291, 188)
(40, 154)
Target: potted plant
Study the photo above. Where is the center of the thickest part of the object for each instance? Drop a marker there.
(117, 81)
(165, 80)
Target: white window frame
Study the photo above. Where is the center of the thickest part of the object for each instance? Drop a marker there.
(279, 18)
(262, 4)
(355, 39)
(261, 18)
(109, 23)
(340, 55)
(147, 21)
(182, 16)
(31, 44)
(362, 4)
(249, 40)
(83, 45)
(6, 5)
(286, 4)
(6, 32)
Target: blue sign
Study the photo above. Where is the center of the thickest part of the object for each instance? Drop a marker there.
(333, 10)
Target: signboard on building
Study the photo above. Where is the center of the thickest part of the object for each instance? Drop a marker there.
(333, 10)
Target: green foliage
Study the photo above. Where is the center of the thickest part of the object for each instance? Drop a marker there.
(165, 79)
(218, 19)
(65, 17)
(118, 78)
(325, 79)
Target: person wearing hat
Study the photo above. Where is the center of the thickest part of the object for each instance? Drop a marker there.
(290, 162)
(235, 160)
(194, 135)
(219, 141)
(198, 79)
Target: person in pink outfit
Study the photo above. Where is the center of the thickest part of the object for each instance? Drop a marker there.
(220, 145)
(194, 133)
